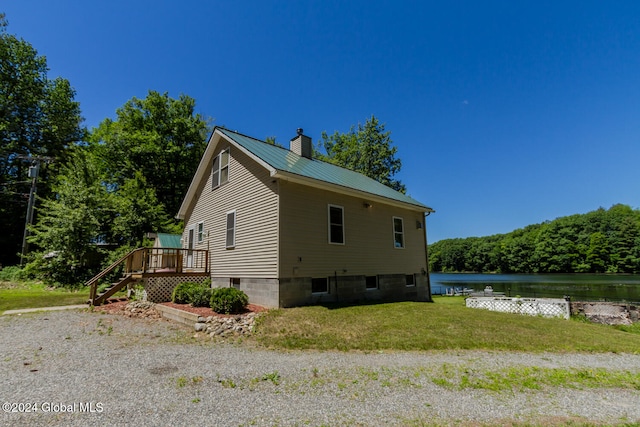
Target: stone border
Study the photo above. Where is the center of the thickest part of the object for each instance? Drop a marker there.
(240, 324)
(177, 315)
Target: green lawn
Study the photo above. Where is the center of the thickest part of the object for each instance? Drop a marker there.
(445, 324)
(35, 295)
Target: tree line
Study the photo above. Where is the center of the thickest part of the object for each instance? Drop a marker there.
(601, 241)
(99, 191)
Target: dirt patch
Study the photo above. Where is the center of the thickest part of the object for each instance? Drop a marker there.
(112, 308)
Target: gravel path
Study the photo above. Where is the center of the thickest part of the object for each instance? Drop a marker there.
(82, 368)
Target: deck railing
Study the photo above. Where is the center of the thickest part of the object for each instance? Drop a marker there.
(154, 261)
(167, 260)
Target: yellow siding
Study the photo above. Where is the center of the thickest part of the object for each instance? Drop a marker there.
(368, 248)
(252, 194)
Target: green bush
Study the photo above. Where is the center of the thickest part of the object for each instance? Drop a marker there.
(201, 296)
(182, 293)
(12, 273)
(196, 294)
(228, 300)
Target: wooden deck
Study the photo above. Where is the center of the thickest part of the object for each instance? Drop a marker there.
(148, 262)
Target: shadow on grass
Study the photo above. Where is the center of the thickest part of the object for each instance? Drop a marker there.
(361, 303)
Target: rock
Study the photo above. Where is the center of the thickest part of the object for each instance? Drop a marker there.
(237, 325)
(142, 309)
(200, 326)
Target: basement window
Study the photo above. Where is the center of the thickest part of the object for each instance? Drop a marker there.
(410, 280)
(320, 285)
(371, 282)
(235, 282)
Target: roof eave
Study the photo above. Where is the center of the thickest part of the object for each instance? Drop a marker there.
(323, 185)
(201, 172)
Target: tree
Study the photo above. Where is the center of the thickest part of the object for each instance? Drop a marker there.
(598, 252)
(71, 224)
(598, 241)
(138, 211)
(160, 138)
(38, 117)
(367, 149)
(271, 140)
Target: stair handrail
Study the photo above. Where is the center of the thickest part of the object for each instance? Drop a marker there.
(93, 282)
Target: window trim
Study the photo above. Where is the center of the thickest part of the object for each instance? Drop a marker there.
(329, 224)
(413, 278)
(200, 232)
(225, 166)
(227, 229)
(217, 167)
(366, 286)
(401, 233)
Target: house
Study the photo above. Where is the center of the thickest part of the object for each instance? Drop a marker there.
(290, 230)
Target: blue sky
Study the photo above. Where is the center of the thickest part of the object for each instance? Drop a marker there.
(504, 113)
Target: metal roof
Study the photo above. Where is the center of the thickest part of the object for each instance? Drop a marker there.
(286, 161)
(169, 240)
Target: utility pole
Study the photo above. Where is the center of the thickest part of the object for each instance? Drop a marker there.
(34, 170)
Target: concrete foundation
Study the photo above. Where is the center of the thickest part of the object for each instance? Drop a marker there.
(296, 291)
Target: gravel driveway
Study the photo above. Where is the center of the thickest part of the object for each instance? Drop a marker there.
(82, 368)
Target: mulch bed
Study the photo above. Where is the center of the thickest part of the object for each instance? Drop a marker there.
(118, 307)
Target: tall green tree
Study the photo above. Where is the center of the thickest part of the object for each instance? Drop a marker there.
(38, 118)
(138, 212)
(367, 149)
(71, 224)
(158, 137)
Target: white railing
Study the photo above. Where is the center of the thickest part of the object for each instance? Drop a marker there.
(546, 307)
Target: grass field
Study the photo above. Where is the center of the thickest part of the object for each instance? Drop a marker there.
(445, 324)
(16, 295)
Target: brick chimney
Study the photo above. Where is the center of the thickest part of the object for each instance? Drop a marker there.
(301, 145)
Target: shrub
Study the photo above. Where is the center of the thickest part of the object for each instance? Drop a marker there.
(196, 294)
(228, 300)
(182, 293)
(201, 296)
(12, 274)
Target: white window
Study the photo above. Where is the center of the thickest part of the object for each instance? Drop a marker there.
(398, 233)
(231, 229)
(200, 232)
(224, 166)
(336, 225)
(220, 169)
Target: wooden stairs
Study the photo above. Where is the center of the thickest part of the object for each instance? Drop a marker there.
(101, 298)
(96, 298)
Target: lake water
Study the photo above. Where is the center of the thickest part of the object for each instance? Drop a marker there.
(580, 287)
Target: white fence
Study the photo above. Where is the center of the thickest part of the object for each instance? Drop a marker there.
(546, 307)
